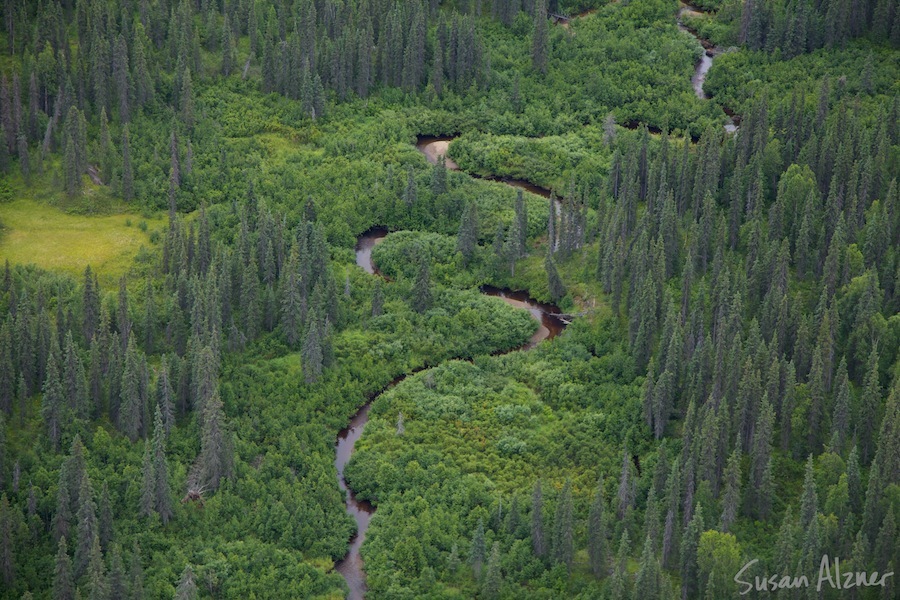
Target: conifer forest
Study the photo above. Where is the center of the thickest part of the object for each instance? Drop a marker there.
(450, 299)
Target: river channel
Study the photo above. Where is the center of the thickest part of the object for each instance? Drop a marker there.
(351, 566)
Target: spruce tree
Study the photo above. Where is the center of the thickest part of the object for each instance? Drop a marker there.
(62, 516)
(187, 100)
(648, 582)
(87, 528)
(73, 176)
(53, 408)
(690, 541)
(809, 503)
(127, 172)
(147, 500)
(378, 299)
(118, 587)
(421, 298)
(161, 491)
(187, 587)
(596, 534)
(731, 500)
(105, 522)
(494, 578)
(131, 408)
(439, 176)
(63, 585)
(867, 420)
(7, 560)
(216, 450)
(537, 521)
(761, 461)
(410, 193)
(562, 542)
(97, 581)
(555, 284)
(311, 353)
(477, 553)
(540, 41)
(840, 421)
(520, 229)
(619, 587)
(467, 239)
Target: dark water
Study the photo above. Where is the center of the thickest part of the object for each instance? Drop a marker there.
(705, 63)
(546, 314)
(351, 566)
(364, 246)
(433, 147)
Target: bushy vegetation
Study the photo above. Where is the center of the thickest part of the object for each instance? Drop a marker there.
(728, 389)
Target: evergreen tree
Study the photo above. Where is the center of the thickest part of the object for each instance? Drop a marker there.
(98, 584)
(127, 172)
(761, 461)
(494, 578)
(439, 176)
(53, 407)
(809, 503)
(690, 541)
(87, 528)
(648, 583)
(105, 523)
(216, 451)
(132, 400)
(477, 553)
(118, 587)
(467, 239)
(63, 585)
(537, 521)
(596, 534)
(840, 421)
(162, 493)
(410, 193)
(7, 561)
(62, 516)
(378, 299)
(557, 288)
(311, 353)
(520, 226)
(540, 41)
(136, 574)
(731, 501)
(867, 421)
(187, 588)
(619, 588)
(147, 500)
(421, 298)
(187, 100)
(73, 176)
(24, 160)
(562, 542)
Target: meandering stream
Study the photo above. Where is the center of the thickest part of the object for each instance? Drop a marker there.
(710, 51)
(351, 566)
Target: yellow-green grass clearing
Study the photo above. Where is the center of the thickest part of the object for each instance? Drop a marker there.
(34, 233)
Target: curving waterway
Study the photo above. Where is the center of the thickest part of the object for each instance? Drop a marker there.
(710, 51)
(351, 566)
(435, 147)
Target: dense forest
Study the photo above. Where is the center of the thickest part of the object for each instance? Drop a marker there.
(727, 388)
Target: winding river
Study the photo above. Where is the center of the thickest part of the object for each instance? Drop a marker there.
(351, 566)
(710, 51)
(435, 147)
